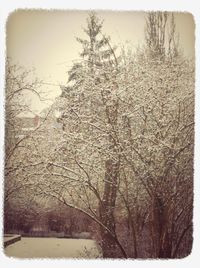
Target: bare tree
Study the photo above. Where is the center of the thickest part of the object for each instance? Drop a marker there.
(161, 36)
(18, 82)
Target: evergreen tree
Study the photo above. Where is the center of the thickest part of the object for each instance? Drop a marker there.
(97, 56)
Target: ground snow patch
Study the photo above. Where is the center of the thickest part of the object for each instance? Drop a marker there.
(53, 248)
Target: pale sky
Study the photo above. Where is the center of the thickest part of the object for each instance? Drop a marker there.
(46, 40)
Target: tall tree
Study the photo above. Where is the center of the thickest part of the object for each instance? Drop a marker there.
(97, 53)
(100, 64)
(160, 34)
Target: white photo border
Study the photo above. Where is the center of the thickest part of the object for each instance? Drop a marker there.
(143, 5)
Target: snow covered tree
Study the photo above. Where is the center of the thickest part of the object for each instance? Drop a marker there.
(164, 46)
(97, 53)
(19, 148)
(157, 144)
(17, 142)
(158, 140)
(91, 107)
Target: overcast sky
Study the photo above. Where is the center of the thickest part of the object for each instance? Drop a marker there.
(46, 39)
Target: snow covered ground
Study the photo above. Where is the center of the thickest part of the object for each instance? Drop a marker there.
(53, 248)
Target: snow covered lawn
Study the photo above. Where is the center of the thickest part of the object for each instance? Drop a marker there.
(53, 248)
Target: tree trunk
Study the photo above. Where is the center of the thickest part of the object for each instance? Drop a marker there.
(160, 233)
(110, 245)
(107, 207)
